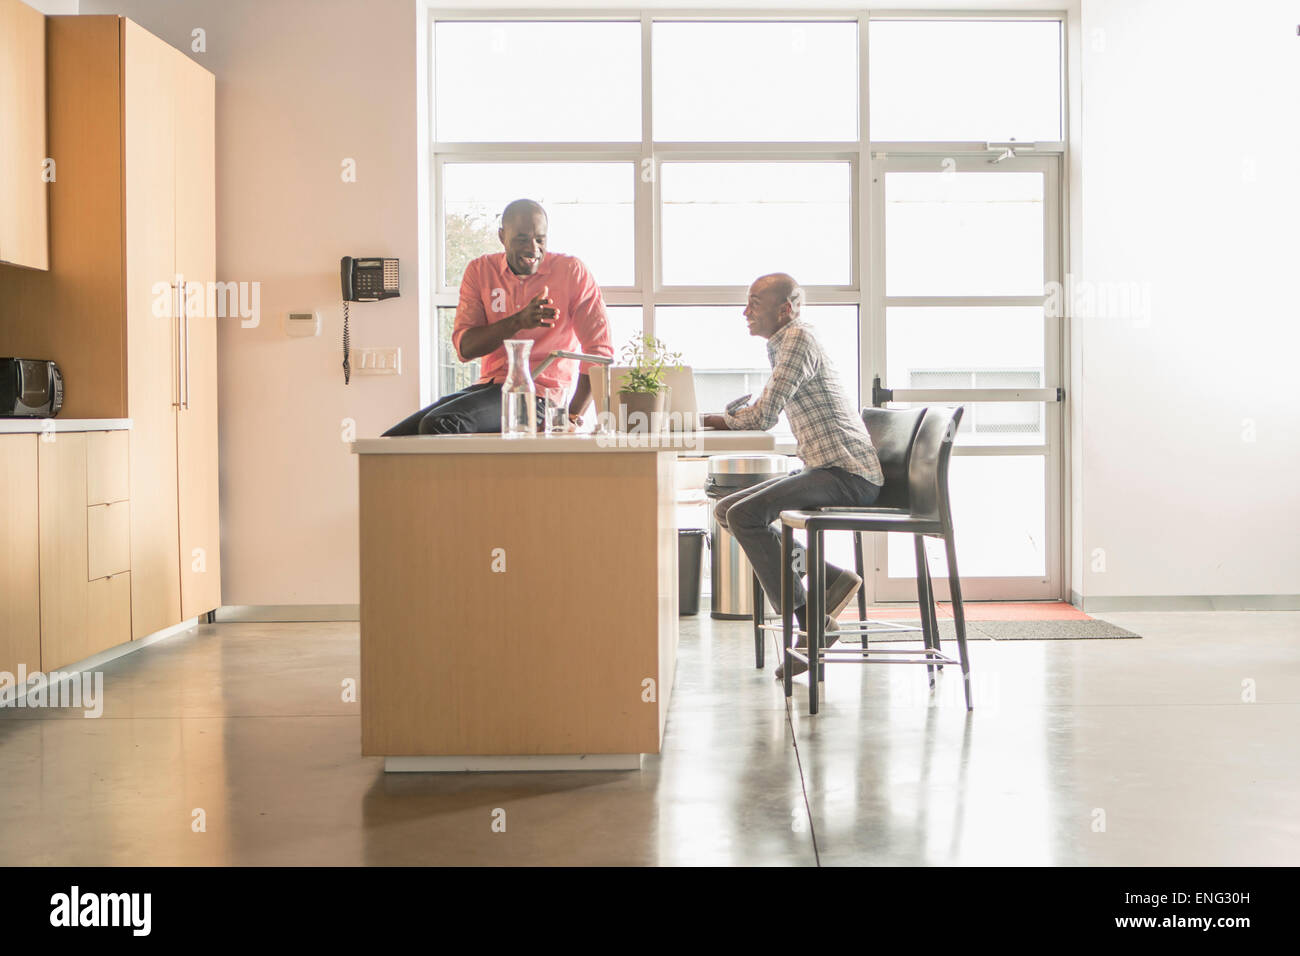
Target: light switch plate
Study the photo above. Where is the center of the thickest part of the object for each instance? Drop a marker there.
(382, 360)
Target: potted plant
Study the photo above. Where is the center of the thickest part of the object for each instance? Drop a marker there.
(641, 392)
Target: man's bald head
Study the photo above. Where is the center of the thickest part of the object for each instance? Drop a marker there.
(521, 207)
(523, 235)
(781, 287)
(775, 300)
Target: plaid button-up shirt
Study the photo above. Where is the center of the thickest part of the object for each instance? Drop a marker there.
(804, 383)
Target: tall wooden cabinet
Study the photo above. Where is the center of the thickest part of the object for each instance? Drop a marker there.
(196, 260)
(23, 216)
(132, 225)
(170, 211)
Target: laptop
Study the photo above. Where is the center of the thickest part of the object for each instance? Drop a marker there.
(680, 404)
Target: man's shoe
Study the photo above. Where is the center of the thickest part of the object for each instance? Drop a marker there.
(832, 635)
(840, 591)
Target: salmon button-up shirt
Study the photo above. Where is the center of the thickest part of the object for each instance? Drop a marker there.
(490, 292)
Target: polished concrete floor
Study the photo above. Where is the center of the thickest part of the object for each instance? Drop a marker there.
(1078, 752)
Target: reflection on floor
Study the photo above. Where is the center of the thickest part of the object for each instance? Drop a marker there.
(232, 744)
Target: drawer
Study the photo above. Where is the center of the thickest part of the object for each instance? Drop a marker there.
(108, 621)
(107, 468)
(108, 539)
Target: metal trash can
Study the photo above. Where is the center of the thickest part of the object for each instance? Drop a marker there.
(690, 564)
(731, 575)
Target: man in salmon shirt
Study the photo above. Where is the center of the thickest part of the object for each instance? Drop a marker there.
(522, 293)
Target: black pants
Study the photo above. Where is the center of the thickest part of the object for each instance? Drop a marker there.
(472, 410)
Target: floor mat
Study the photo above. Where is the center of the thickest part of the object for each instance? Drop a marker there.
(1048, 630)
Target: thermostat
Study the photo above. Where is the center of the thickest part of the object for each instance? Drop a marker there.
(302, 323)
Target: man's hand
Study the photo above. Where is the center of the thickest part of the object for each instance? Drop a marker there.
(715, 421)
(539, 312)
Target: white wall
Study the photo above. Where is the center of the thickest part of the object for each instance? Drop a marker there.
(302, 84)
(52, 7)
(1189, 185)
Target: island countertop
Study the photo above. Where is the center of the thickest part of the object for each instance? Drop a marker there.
(686, 443)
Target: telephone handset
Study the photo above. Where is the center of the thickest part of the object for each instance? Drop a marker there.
(365, 280)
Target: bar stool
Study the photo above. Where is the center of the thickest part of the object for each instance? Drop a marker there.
(893, 432)
(929, 515)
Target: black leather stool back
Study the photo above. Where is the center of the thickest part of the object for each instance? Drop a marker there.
(892, 431)
(927, 476)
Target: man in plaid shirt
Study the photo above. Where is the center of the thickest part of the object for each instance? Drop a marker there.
(840, 464)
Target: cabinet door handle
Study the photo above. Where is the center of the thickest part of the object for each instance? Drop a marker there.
(185, 317)
(180, 304)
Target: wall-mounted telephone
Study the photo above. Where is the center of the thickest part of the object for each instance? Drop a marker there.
(365, 280)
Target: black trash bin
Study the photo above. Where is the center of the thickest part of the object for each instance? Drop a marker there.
(690, 564)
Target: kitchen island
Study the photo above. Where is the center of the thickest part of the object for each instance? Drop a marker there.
(519, 597)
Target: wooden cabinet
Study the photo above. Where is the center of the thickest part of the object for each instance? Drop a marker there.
(153, 344)
(196, 421)
(107, 467)
(172, 388)
(108, 540)
(132, 120)
(20, 609)
(84, 554)
(24, 238)
(64, 569)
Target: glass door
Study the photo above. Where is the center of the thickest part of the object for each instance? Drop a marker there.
(964, 247)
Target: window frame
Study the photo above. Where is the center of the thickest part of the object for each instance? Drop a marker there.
(865, 290)
(649, 291)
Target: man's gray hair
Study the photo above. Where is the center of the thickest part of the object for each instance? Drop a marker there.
(795, 298)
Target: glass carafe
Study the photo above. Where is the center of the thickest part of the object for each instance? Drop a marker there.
(518, 394)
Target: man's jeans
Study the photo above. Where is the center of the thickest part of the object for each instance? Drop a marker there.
(749, 515)
(471, 410)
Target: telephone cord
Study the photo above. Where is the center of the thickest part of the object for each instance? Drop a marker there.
(347, 364)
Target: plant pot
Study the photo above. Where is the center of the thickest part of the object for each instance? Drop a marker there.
(640, 412)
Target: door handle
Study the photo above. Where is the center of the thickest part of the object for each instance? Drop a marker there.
(180, 304)
(185, 317)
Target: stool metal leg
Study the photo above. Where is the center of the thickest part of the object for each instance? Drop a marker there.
(758, 622)
(787, 608)
(816, 615)
(924, 599)
(959, 615)
(860, 564)
(932, 608)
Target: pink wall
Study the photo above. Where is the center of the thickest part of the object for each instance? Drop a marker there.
(302, 84)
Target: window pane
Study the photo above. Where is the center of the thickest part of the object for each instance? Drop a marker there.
(729, 223)
(496, 82)
(589, 207)
(728, 362)
(964, 80)
(998, 508)
(624, 323)
(454, 375)
(952, 233)
(972, 347)
(993, 423)
(755, 81)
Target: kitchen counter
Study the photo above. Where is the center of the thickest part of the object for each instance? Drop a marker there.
(685, 443)
(26, 426)
(519, 598)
